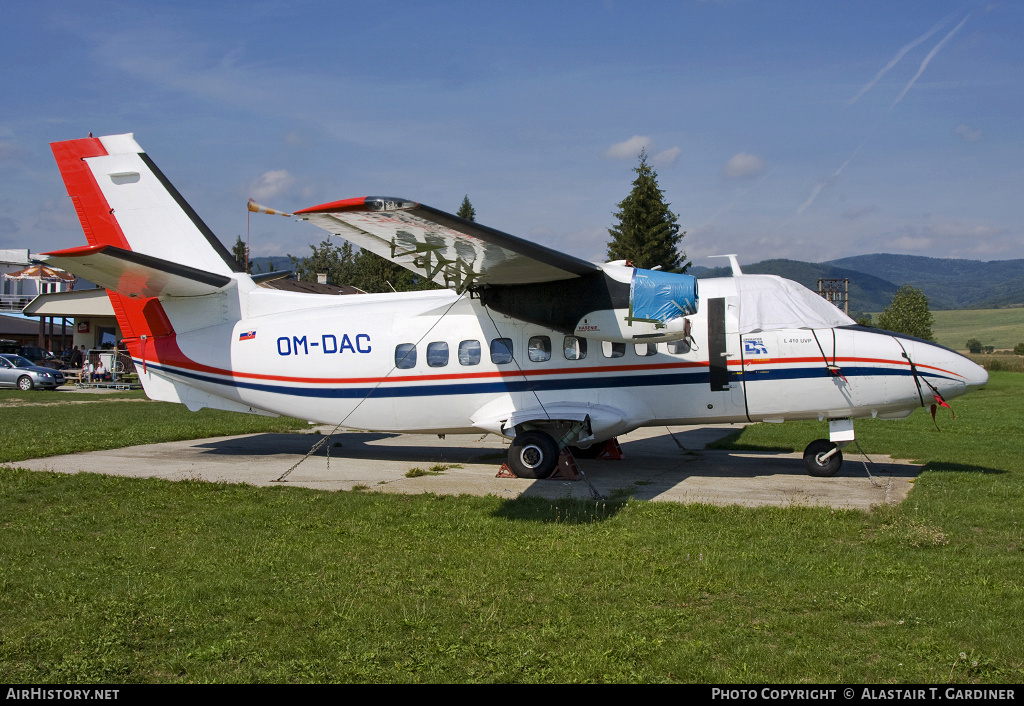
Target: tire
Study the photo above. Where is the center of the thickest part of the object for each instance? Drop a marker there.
(533, 454)
(25, 383)
(818, 468)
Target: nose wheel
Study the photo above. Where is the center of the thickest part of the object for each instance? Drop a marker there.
(822, 458)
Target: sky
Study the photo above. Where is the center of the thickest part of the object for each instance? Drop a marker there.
(801, 130)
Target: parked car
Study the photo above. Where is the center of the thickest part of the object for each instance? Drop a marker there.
(16, 371)
(38, 356)
(42, 357)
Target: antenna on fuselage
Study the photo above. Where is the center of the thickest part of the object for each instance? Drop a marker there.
(733, 262)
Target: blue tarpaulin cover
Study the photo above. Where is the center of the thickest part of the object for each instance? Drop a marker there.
(662, 296)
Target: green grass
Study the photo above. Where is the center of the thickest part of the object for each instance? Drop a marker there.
(49, 423)
(1002, 328)
(1000, 362)
(106, 579)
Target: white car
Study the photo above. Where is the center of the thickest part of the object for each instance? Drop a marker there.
(23, 374)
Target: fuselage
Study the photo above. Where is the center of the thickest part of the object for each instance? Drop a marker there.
(441, 362)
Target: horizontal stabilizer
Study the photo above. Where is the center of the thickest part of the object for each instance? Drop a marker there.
(133, 274)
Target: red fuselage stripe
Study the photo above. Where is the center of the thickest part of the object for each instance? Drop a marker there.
(172, 355)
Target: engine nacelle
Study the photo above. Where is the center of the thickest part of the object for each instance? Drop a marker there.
(658, 305)
(621, 303)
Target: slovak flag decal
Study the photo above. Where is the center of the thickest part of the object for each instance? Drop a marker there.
(247, 336)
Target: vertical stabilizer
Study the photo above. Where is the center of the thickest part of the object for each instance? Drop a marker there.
(123, 199)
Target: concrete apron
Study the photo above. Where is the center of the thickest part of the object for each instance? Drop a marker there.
(660, 463)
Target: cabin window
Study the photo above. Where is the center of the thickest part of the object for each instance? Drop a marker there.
(540, 349)
(405, 356)
(646, 349)
(469, 353)
(574, 348)
(501, 351)
(437, 354)
(612, 349)
(678, 347)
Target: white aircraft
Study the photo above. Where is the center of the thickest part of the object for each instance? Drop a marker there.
(525, 342)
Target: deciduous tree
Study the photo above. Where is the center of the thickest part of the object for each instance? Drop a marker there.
(241, 254)
(908, 313)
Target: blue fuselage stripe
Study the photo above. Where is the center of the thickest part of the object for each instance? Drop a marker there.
(533, 384)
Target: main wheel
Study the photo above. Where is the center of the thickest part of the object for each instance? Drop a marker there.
(818, 466)
(25, 383)
(533, 454)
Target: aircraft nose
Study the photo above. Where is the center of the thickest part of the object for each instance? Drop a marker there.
(975, 375)
(950, 372)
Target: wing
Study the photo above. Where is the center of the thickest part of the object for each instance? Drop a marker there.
(446, 249)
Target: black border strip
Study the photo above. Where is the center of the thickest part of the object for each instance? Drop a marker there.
(171, 268)
(540, 253)
(214, 241)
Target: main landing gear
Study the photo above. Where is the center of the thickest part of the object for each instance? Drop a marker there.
(535, 454)
(822, 457)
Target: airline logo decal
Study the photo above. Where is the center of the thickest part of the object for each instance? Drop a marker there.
(755, 351)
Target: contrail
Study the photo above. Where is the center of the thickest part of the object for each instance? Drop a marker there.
(899, 55)
(924, 64)
(827, 181)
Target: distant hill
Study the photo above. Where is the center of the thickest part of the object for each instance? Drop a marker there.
(263, 264)
(874, 279)
(948, 284)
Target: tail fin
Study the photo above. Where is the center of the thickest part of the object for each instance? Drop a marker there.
(124, 200)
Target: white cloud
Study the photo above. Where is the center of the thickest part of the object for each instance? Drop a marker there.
(667, 157)
(966, 133)
(852, 214)
(271, 184)
(743, 165)
(912, 243)
(11, 152)
(628, 149)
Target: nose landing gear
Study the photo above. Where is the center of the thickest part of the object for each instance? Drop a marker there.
(822, 458)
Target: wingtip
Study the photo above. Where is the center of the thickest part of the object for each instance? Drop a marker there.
(362, 203)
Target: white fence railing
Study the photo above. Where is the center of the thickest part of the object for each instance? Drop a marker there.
(15, 302)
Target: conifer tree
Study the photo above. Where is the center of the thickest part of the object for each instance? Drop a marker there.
(647, 233)
(466, 210)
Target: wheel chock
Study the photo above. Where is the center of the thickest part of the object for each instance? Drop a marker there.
(505, 472)
(611, 451)
(566, 468)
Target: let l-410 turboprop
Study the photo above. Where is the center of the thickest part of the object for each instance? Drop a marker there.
(524, 341)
